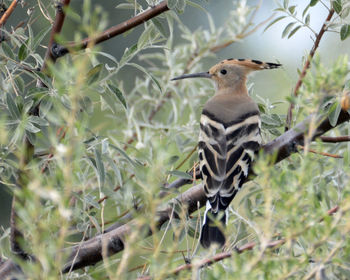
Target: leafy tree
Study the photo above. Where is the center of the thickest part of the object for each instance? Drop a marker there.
(108, 176)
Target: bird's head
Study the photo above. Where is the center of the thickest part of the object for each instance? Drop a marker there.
(231, 72)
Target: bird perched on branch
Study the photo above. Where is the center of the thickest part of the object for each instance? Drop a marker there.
(229, 138)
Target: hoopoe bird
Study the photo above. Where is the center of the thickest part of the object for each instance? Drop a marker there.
(229, 137)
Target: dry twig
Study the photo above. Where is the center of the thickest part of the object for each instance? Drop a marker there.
(306, 67)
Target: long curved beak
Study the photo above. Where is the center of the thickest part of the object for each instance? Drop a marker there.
(194, 75)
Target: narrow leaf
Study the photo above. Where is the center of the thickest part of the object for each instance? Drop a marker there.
(287, 29)
(313, 3)
(100, 167)
(93, 75)
(333, 113)
(118, 94)
(134, 163)
(344, 32)
(7, 50)
(180, 174)
(147, 73)
(273, 22)
(31, 128)
(23, 51)
(14, 111)
(337, 6)
(294, 31)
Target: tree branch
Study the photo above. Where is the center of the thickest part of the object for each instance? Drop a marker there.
(8, 12)
(115, 30)
(50, 54)
(306, 67)
(338, 139)
(90, 252)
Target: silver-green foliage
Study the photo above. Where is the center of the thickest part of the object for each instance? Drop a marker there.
(124, 142)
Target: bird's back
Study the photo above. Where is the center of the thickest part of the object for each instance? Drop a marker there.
(229, 137)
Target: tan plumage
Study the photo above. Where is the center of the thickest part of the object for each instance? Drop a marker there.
(229, 137)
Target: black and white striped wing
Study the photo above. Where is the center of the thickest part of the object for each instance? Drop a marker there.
(243, 141)
(212, 158)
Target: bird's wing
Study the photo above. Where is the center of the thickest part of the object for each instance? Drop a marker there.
(243, 140)
(212, 157)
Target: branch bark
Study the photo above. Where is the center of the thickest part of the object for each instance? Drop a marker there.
(8, 12)
(306, 67)
(90, 252)
(115, 30)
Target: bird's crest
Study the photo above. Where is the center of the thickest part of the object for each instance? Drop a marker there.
(248, 64)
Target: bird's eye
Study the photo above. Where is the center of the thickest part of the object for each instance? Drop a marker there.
(223, 72)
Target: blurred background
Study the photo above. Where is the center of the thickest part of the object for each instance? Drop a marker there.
(265, 46)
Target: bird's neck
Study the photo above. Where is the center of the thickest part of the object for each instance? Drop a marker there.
(239, 88)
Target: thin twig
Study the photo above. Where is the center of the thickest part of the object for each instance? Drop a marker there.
(8, 12)
(117, 29)
(338, 139)
(239, 250)
(306, 67)
(319, 153)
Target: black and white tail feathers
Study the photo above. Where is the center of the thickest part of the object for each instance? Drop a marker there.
(211, 232)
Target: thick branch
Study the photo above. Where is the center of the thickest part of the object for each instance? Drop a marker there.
(117, 29)
(306, 67)
(90, 252)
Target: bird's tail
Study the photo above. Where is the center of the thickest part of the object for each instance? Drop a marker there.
(211, 233)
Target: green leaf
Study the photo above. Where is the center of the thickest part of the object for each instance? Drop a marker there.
(294, 31)
(172, 4)
(38, 121)
(292, 9)
(271, 120)
(160, 27)
(307, 19)
(125, 6)
(145, 37)
(12, 106)
(305, 10)
(93, 75)
(31, 128)
(147, 73)
(118, 94)
(333, 113)
(133, 162)
(287, 29)
(45, 106)
(344, 31)
(273, 22)
(180, 174)
(337, 6)
(108, 99)
(285, 4)
(39, 37)
(128, 54)
(313, 2)
(173, 159)
(7, 50)
(31, 137)
(23, 51)
(100, 168)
